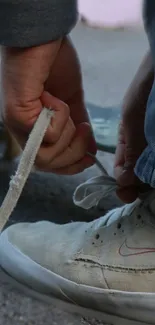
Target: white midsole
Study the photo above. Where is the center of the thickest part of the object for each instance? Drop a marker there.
(137, 306)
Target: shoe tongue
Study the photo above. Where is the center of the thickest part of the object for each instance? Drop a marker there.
(90, 193)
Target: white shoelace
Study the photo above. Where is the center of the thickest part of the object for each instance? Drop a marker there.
(90, 193)
(25, 165)
(103, 184)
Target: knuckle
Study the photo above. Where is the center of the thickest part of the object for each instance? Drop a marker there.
(13, 117)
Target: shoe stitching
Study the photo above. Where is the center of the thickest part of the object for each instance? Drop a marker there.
(116, 268)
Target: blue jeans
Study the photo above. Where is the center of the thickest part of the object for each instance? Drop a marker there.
(145, 167)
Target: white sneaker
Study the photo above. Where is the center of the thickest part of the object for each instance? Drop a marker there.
(105, 268)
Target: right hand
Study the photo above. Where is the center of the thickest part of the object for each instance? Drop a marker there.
(131, 140)
(48, 75)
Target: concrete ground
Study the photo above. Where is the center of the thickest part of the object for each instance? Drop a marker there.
(109, 60)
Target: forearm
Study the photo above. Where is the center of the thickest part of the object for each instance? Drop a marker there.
(26, 23)
(141, 85)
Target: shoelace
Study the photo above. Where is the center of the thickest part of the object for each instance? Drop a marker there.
(90, 193)
(106, 183)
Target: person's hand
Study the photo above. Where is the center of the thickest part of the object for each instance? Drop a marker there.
(48, 75)
(131, 140)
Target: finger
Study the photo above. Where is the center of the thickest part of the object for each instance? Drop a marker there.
(79, 112)
(24, 119)
(128, 194)
(134, 145)
(60, 118)
(79, 115)
(125, 174)
(125, 158)
(77, 168)
(77, 149)
(119, 154)
(92, 146)
(119, 160)
(48, 152)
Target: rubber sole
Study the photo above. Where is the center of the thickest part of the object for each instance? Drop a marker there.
(112, 307)
(67, 307)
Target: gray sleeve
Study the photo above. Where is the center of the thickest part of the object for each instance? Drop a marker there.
(26, 23)
(148, 13)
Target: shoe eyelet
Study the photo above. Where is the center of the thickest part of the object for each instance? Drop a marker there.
(119, 226)
(97, 236)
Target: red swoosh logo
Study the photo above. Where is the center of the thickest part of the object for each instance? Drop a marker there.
(126, 250)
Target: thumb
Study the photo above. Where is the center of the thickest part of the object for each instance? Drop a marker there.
(61, 116)
(127, 153)
(127, 176)
(134, 144)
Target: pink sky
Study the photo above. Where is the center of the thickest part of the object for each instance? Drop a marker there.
(112, 12)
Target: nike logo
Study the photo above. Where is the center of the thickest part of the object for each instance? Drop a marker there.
(126, 250)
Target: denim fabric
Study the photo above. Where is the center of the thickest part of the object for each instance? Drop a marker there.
(26, 23)
(145, 167)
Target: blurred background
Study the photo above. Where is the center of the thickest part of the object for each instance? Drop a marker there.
(111, 42)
